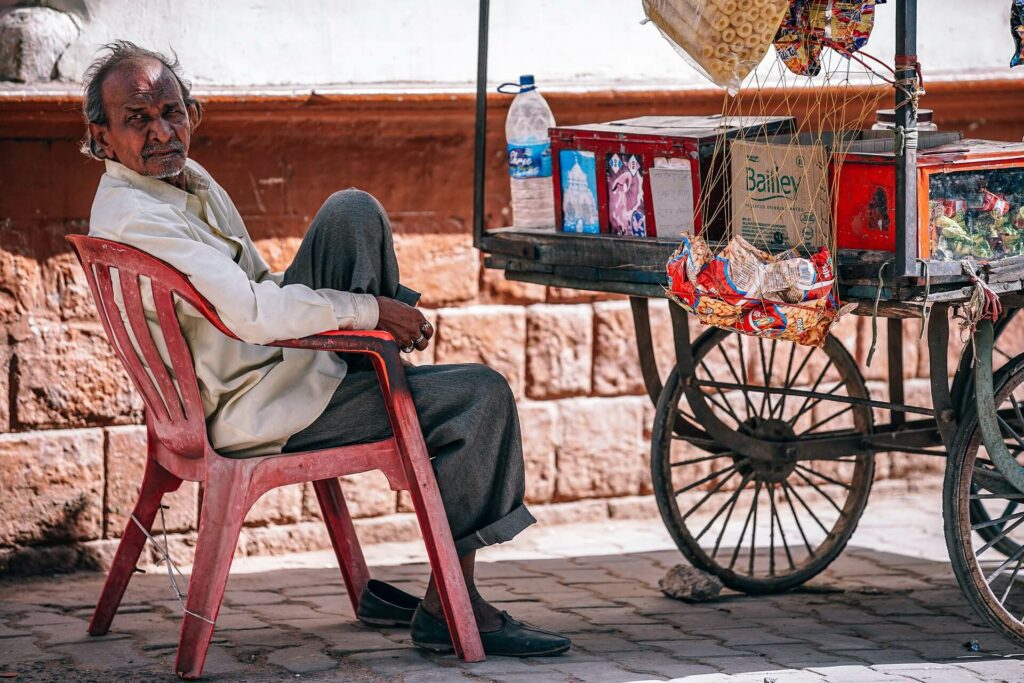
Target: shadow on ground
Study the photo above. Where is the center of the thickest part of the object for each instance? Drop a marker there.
(887, 616)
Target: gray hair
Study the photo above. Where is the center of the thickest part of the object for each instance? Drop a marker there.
(120, 52)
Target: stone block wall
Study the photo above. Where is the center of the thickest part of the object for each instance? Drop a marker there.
(72, 447)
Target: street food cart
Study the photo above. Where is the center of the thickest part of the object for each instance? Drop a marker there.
(763, 451)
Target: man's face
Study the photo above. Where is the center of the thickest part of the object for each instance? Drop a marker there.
(148, 127)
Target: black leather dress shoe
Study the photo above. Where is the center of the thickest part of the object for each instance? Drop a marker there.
(381, 604)
(513, 639)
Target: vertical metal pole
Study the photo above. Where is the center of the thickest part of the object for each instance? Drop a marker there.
(906, 144)
(480, 155)
(894, 337)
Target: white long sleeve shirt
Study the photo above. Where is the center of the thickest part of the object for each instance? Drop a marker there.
(254, 397)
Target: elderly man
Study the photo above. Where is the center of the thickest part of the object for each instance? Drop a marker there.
(259, 399)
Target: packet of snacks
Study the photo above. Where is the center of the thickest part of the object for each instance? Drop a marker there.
(748, 290)
(724, 39)
(1017, 31)
(798, 41)
(851, 23)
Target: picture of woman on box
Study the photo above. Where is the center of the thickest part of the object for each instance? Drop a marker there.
(626, 196)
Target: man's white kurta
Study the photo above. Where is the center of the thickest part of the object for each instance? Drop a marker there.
(254, 397)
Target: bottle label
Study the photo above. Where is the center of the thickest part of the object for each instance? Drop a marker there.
(529, 161)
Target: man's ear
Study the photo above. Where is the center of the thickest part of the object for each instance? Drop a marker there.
(195, 116)
(98, 132)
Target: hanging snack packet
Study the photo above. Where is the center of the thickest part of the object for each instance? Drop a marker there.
(747, 290)
(798, 42)
(851, 24)
(1017, 31)
(734, 276)
(724, 39)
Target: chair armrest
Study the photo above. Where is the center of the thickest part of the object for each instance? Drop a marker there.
(374, 342)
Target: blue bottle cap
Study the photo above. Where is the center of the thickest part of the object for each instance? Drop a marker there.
(526, 82)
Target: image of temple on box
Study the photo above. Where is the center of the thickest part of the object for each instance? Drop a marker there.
(529, 158)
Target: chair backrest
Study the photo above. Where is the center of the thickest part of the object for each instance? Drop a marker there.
(174, 413)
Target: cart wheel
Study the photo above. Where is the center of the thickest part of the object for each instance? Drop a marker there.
(987, 509)
(762, 527)
(988, 563)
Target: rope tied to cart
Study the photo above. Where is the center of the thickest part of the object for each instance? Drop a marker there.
(984, 303)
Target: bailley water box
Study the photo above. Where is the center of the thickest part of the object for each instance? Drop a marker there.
(780, 194)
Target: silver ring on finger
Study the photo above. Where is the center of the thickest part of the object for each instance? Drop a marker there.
(418, 339)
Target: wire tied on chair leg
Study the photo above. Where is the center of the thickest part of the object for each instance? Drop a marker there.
(172, 568)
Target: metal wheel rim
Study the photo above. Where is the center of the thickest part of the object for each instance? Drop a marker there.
(825, 550)
(989, 580)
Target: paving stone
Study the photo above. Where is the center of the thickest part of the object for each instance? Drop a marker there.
(237, 622)
(622, 589)
(263, 637)
(886, 656)
(928, 673)
(657, 664)
(220, 662)
(14, 650)
(439, 675)
(272, 613)
(995, 669)
(569, 600)
(104, 655)
(497, 666)
(852, 674)
(737, 664)
(594, 672)
(248, 598)
(69, 633)
(303, 659)
(747, 636)
(598, 643)
(306, 591)
(612, 616)
(697, 648)
(361, 641)
(837, 641)
(658, 631)
(776, 676)
(8, 632)
(46, 618)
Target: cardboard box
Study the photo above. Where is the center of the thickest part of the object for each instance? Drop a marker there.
(780, 194)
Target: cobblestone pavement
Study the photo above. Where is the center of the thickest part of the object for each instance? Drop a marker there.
(887, 610)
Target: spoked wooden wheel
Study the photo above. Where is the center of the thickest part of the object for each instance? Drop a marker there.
(987, 555)
(985, 509)
(762, 526)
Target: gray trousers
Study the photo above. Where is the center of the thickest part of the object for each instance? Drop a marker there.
(467, 412)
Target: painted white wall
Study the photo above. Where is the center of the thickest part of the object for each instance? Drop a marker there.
(411, 44)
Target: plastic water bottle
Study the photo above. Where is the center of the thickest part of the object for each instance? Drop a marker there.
(529, 158)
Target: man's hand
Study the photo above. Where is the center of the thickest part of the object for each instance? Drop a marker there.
(405, 323)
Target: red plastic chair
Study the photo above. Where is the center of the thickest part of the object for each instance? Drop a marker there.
(179, 450)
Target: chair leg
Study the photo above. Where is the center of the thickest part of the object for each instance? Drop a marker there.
(426, 499)
(343, 538)
(225, 503)
(155, 483)
(444, 563)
